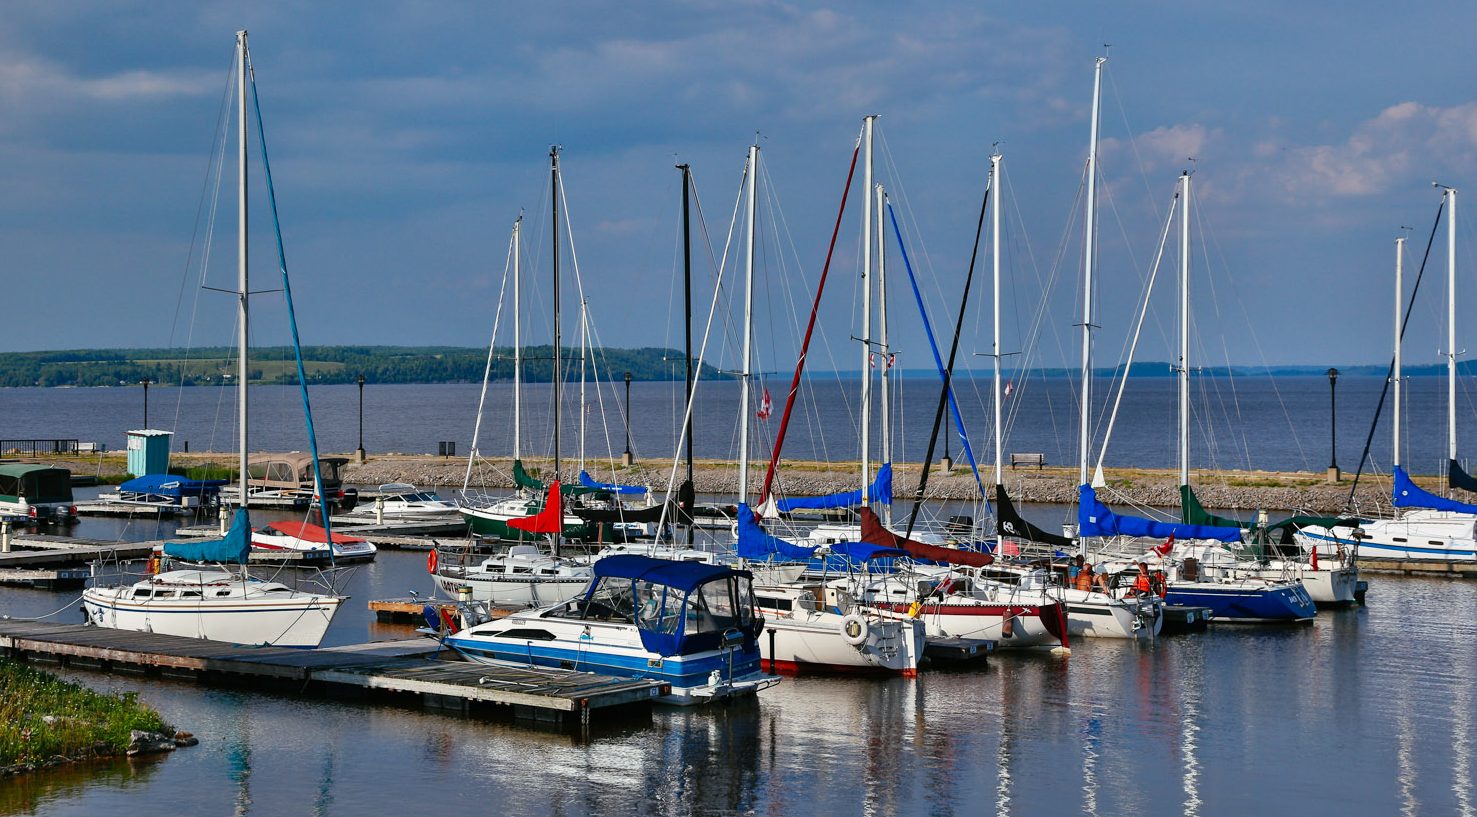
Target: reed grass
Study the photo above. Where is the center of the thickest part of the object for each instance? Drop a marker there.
(43, 716)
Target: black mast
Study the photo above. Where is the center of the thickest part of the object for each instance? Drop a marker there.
(558, 373)
(686, 497)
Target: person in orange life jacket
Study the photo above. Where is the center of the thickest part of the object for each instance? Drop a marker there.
(1074, 567)
(1084, 578)
(1143, 585)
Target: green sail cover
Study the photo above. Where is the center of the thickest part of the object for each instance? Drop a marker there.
(522, 480)
(1193, 513)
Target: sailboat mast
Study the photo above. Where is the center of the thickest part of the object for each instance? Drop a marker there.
(584, 365)
(687, 300)
(517, 341)
(883, 347)
(1451, 325)
(995, 345)
(558, 336)
(746, 374)
(1184, 372)
(241, 258)
(1089, 251)
(866, 335)
(1399, 295)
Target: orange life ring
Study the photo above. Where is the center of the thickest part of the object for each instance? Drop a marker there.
(432, 561)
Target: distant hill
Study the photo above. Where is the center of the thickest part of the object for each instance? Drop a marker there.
(326, 364)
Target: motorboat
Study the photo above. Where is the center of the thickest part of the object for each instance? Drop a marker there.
(690, 625)
(36, 494)
(802, 635)
(521, 576)
(400, 500)
(311, 541)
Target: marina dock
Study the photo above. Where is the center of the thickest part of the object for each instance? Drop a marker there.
(413, 671)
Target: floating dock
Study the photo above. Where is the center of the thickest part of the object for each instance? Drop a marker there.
(1178, 619)
(405, 671)
(408, 610)
(1466, 569)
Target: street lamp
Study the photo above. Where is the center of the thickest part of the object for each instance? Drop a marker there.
(628, 458)
(1333, 425)
(359, 454)
(145, 383)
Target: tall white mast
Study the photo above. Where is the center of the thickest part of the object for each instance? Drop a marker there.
(995, 347)
(866, 335)
(1399, 297)
(885, 349)
(584, 365)
(241, 257)
(753, 171)
(517, 342)
(1088, 252)
(1451, 324)
(1185, 329)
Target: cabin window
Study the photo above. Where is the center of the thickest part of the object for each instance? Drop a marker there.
(220, 593)
(611, 601)
(189, 594)
(745, 592)
(775, 604)
(517, 569)
(547, 571)
(280, 472)
(1436, 542)
(10, 485)
(257, 470)
(51, 485)
(143, 594)
(518, 633)
(657, 608)
(711, 608)
(1399, 538)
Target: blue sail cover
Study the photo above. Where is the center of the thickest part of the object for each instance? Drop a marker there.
(171, 485)
(881, 491)
(1409, 495)
(757, 545)
(1094, 519)
(235, 548)
(589, 482)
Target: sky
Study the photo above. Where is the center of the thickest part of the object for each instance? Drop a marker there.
(405, 138)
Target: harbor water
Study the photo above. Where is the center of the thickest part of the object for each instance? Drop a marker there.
(1365, 711)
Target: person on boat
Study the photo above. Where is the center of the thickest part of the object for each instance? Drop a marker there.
(1074, 567)
(1083, 579)
(1143, 584)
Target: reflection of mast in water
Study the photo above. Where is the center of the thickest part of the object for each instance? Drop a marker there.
(324, 800)
(1189, 746)
(1404, 748)
(1092, 741)
(240, 760)
(1461, 748)
(1002, 768)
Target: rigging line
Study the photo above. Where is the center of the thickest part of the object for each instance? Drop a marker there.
(1384, 390)
(944, 392)
(487, 369)
(291, 314)
(779, 439)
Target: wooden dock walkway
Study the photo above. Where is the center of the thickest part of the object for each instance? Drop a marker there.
(403, 670)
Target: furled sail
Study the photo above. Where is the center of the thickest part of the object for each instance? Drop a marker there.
(1095, 519)
(589, 482)
(1456, 477)
(1010, 523)
(523, 480)
(234, 548)
(548, 520)
(756, 544)
(880, 491)
(1409, 495)
(874, 533)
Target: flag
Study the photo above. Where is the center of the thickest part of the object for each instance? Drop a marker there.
(946, 585)
(1313, 559)
(765, 406)
(1163, 550)
(891, 359)
(1009, 387)
(872, 359)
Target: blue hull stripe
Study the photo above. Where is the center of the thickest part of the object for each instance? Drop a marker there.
(678, 671)
(1406, 548)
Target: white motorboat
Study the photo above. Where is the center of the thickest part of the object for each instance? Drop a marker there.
(801, 635)
(311, 541)
(523, 576)
(399, 500)
(688, 624)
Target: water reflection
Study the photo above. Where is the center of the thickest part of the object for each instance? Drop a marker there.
(32, 793)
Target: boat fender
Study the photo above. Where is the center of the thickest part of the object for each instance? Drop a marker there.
(432, 561)
(854, 629)
(1007, 627)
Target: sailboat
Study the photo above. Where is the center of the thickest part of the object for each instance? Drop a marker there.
(1433, 530)
(220, 600)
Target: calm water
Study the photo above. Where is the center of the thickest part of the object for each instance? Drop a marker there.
(1273, 423)
(1365, 712)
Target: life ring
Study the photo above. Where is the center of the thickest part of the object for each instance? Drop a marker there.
(854, 629)
(432, 561)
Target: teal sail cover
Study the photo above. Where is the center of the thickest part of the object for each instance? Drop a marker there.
(1409, 495)
(1095, 519)
(235, 548)
(880, 491)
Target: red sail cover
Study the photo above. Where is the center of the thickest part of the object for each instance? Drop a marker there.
(311, 533)
(548, 520)
(873, 533)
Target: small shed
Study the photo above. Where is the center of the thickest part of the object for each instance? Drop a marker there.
(148, 452)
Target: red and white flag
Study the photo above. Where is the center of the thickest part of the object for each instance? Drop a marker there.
(1009, 387)
(1163, 550)
(765, 406)
(891, 359)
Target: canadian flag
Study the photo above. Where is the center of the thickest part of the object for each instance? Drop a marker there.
(1163, 550)
(765, 406)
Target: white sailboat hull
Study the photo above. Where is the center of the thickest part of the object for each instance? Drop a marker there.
(293, 622)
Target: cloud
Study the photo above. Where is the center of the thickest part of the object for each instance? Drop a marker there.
(25, 79)
(1165, 146)
(1402, 141)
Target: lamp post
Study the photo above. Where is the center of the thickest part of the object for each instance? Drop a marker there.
(359, 453)
(1333, 425)
(628, 458)
(145, 383)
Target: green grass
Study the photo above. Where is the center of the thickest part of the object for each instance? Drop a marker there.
(206, 471)
(84, 722)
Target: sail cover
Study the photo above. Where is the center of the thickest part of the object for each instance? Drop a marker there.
(523, 480)
(589, 482)
(1456, 477)
(880, 491)
(639, 515)
(1010, 523)
(1409, 495)
(234, 548)
(171, 485)
(1193, 513)
(874, 533)
(1094, 519)
(755, 544)
(548, 520)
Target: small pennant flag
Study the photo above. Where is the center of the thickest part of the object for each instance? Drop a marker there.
(1009, 387)
(765, 406)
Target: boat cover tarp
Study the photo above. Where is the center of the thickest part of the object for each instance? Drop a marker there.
(171, 485)
(309, 532)
(865, 551)
(589, 482)
(523, 480)
(660, 614)
(1008, 522)
(611, 515)
(875, 533)
(683, 576)
(234, 548)
(1094, 519)
(548, 520)
(1456, 477)
(880, 491)
(1193, 513)
(1409, 495)
(755, 544)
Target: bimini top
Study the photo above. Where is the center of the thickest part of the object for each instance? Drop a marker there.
(685, 576)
